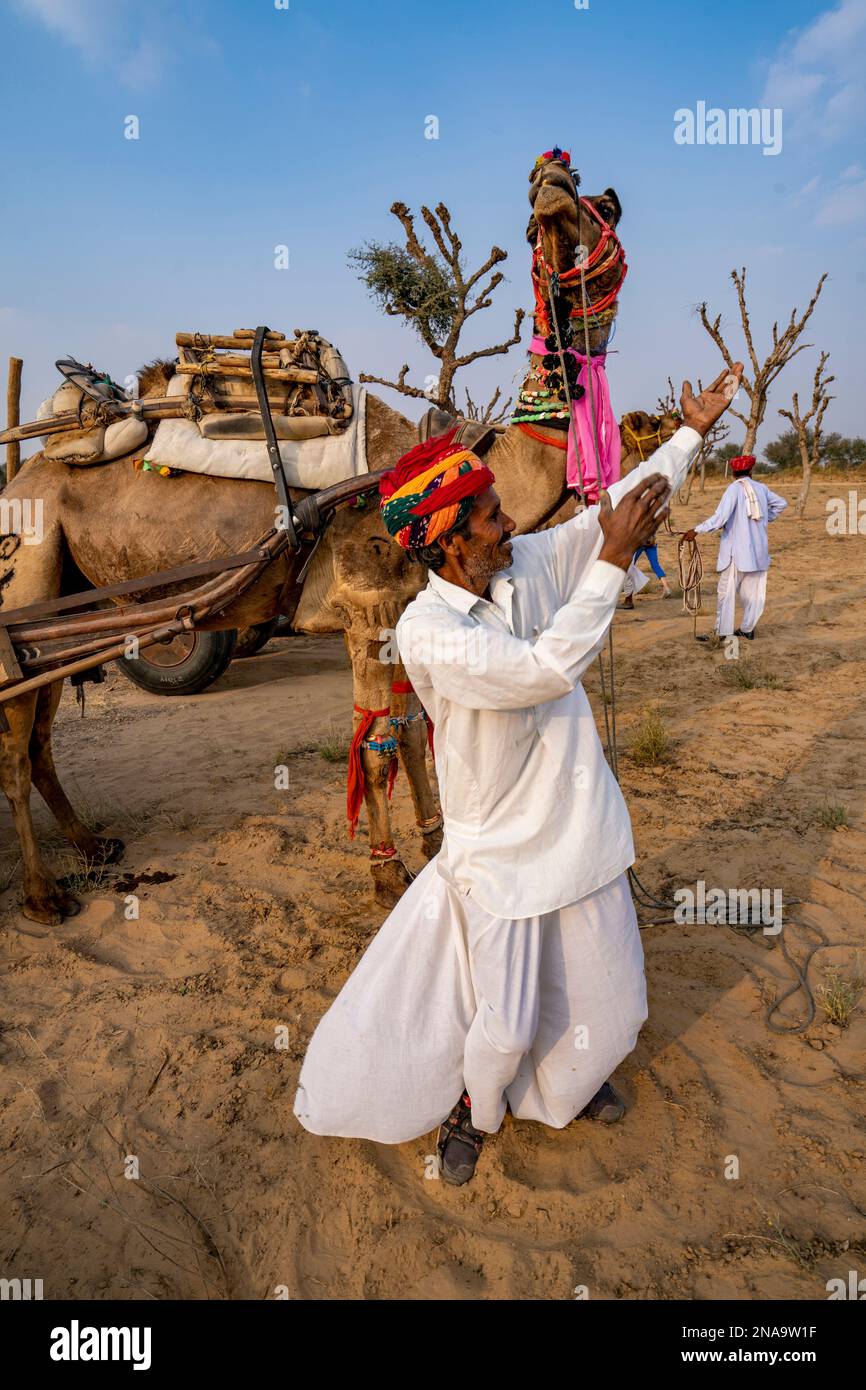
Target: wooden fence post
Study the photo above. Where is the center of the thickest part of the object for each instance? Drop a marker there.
(13, 415)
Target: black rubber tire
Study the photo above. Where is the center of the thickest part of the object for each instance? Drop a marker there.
(210, 655)
(252, 639)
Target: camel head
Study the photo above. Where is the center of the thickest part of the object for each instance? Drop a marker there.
(570, 233)
(643, 433)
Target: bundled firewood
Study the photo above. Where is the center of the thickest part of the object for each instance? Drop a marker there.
(305, 375)
(306, 380)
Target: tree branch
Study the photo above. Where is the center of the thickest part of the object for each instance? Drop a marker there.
(715, 333)
(740, 282)
(496, 255)
(464, 361)
(398, 385)
(407, 222)
(483, 301)
(473, 412)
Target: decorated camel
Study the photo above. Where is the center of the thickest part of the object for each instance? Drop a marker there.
(114, 523)
(642, 434)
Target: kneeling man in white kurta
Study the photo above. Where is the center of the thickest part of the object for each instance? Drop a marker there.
(510, 974)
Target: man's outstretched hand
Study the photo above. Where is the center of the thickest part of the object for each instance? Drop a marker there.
(634, 522)
(701, 412)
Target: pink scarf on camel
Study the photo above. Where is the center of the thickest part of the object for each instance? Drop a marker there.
(583, 467)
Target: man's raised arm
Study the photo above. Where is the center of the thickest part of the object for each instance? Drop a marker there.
(482, 667)
(572, 546)
(699, 414)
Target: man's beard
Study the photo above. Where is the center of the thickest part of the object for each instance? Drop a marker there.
(481, 566)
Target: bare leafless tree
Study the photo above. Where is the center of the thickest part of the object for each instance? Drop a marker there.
(757, 383)
(494, 413)
(810, 448)
(435, 296)
(668, 404)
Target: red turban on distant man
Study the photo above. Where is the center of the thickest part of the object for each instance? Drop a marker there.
(742, 463)
(431, 489)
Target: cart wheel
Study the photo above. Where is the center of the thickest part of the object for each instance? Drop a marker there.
(184, 666)
(252, 639)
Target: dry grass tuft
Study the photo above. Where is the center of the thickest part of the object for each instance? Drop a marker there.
(650, 744)
(839, 993)
(334, 747)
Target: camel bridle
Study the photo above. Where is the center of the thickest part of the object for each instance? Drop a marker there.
(600, 260)
(607, 252)
(641, 439)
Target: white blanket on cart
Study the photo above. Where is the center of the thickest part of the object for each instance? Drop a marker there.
(309, 463)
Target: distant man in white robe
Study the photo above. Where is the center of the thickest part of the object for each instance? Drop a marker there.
(510, 974)
(743, 515)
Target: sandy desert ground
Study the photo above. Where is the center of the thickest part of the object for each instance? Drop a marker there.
(155, 1037)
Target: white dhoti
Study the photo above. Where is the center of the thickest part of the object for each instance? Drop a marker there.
(534, 1013)
(751, 587)
(635, 580)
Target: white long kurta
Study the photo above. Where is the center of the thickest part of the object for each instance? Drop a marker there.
(513, 963)
(744, 552)
(745, 542)
(536, 1012)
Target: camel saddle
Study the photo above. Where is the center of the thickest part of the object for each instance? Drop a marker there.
(90, 419)
(308, 385)
(96, 401)
(471, 434)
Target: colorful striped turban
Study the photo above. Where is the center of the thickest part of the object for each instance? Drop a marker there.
(431, 489)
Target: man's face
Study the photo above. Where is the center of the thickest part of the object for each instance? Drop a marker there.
(488, 548)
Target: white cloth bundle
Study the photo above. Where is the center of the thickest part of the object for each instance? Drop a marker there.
(309, 463)
(753, 507)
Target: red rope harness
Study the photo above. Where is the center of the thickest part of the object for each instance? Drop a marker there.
(543, 438)
(607, 251)
(356, 783)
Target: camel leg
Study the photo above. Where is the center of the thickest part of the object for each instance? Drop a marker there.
(371, 685)
(412, 748)
(390, 875)
(44, 900)
(97, 849)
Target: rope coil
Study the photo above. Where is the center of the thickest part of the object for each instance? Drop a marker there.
(691, 573)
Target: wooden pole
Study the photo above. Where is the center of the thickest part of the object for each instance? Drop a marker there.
(303, 374)
(13, 416)
(242, 338)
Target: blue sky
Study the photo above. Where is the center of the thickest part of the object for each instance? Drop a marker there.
(262, 126)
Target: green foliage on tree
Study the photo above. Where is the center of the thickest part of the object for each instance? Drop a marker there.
(421, 291)
(721, 457)
(836, 451)
(435, 293)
